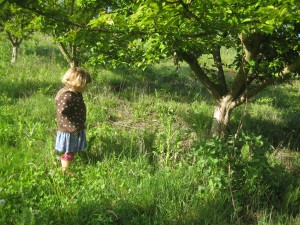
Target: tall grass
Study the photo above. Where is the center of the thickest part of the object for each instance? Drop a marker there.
(148, 159)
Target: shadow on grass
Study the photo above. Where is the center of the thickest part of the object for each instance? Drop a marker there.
(281, 96)
(44, 51)
(199, 122)
(284, 135)
(119, 145)
(26, 89)
(124, 212)
(117, 210)
(165, 83)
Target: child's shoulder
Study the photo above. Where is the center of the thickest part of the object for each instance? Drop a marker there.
(63, 92)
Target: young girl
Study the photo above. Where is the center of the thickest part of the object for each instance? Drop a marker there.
(71, 115)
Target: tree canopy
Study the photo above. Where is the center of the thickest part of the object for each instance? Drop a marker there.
(265, 35)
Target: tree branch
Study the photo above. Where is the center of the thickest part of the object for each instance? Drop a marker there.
(199, 72)
(187, 9)
(50, 15)
(65, 20)
(220, 73)
(65, 52)
(251, 44)
(294, 67)
(15, 41)
(240, 81)
(253, 91)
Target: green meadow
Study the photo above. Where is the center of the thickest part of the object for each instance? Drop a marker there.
(149, 159)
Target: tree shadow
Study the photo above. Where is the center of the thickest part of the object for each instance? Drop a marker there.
(46, 52)
(43, 51)
(119, 145)
(26, 89)
(199, 122)
(282, 136)
(166, 80)
(279, 97)
(285, 134)
(105, 209)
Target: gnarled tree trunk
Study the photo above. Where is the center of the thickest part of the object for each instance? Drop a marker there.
(221, 116)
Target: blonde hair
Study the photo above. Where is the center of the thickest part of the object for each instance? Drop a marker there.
(76, 77)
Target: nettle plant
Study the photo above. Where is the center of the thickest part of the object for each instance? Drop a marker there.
(239, 169)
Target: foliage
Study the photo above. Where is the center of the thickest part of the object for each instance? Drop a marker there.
(239, 167)
(69, 23)
(264, 34)
(17, 21)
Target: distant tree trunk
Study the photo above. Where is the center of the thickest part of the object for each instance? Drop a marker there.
(14, 55)
(221, 117)
(15, 42)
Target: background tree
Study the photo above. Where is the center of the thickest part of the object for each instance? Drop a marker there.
(18, 24)
(69, 23)
(66, 22)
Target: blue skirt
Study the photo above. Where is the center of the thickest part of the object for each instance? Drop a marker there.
(69, 142)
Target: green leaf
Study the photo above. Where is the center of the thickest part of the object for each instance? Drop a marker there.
(246, 20)
(245, 152)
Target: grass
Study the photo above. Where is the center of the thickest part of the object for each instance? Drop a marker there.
(149, 160)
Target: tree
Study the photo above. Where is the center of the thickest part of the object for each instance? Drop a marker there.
(19, 25)
(67, 21)
(265, 35)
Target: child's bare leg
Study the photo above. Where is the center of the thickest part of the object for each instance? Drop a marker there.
(65, 164)
(66, 161)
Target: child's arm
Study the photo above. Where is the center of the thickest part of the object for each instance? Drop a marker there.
(66, 102)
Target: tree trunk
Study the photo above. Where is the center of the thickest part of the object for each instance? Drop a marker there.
(221, 117)
(15, 42)
(14, 54)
